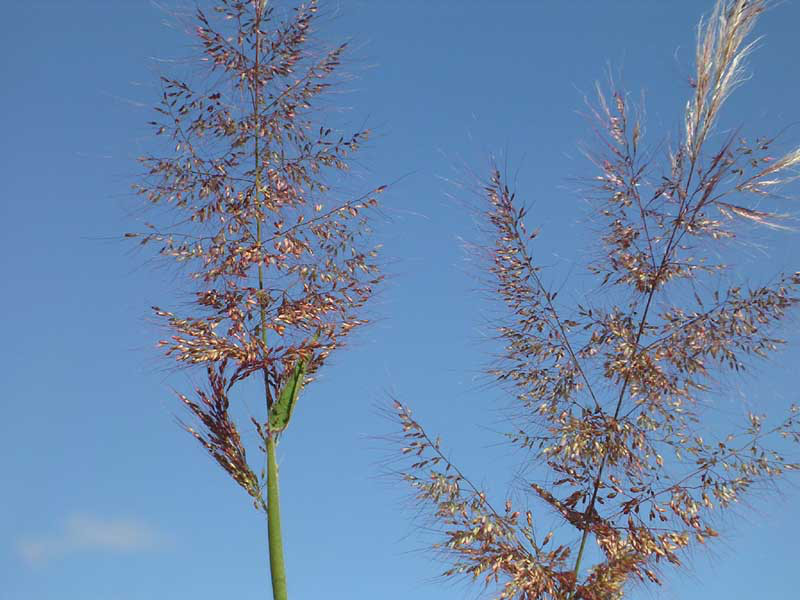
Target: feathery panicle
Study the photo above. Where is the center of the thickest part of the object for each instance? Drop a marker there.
(282, 266)
(614, 395)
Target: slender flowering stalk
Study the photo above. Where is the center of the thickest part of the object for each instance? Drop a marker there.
(614, 394)
(281, 266)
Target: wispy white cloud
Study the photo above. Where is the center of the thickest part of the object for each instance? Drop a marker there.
(87, 533)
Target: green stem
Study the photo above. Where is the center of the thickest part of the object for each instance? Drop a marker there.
(277, 566)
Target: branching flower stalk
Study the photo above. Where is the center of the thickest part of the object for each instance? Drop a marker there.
(281, 265)
(613, 394)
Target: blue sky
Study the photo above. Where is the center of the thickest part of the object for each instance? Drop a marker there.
(105, 498)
